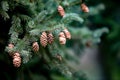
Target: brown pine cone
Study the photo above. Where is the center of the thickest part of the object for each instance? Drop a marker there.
(84, 8)
(43, 39)
(35, 47)
(67, 34)
(50, 38)
(61, 34)
(62, 38)
(17, 62)
(16, 59)
(10, 46)
(61, 10)
(16, 54)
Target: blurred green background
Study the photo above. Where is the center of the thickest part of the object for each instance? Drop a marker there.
(110, 45)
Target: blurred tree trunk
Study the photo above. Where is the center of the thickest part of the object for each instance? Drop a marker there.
(91, 65)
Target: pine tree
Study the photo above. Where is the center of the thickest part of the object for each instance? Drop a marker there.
(40, 33)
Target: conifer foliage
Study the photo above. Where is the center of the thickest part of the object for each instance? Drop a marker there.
(41, 27)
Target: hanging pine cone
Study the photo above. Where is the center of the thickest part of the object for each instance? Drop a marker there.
(16, 55)
(84, 8)
(35, 47)
(16, 60)
(61, 10)
(10, 46)
(50, 38)
(67, 34)
(62, 38)
(43, 39)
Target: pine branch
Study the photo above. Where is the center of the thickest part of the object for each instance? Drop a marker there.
(5, 5)
(4, 14)
(69, 17)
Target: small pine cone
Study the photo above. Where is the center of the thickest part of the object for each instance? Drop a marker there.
(61, 10)
(43, 39)
(17, 61)
(62, 38)
(84, 8)
(61, 34)
(50, 38)
(10, 46)
(35, 47)
(67, 34)
(16, 55)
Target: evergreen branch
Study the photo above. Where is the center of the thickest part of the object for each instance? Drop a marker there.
(4, 5)
(24, 17)
(23, 44)
(41, 16)
(13, 37)
(83, 33)
(16, 25)
(50, 17)
(4, 15)
(25, 56)
(40, 29)
(75, 3)
(35, 32)
(69, 17)
(99, 32)
(23, 8)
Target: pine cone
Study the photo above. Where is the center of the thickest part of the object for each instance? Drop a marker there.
(16, 54)
(84, 8)
(61, 34)
(43, 39)
(10, 46)
(50, 38)
(61, 10)
(62, 38)
(16, 60)
(67, 34)
(35, 47)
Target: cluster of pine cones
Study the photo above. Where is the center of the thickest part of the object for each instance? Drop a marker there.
(15, 55)
(45, 38)
(48, 38)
